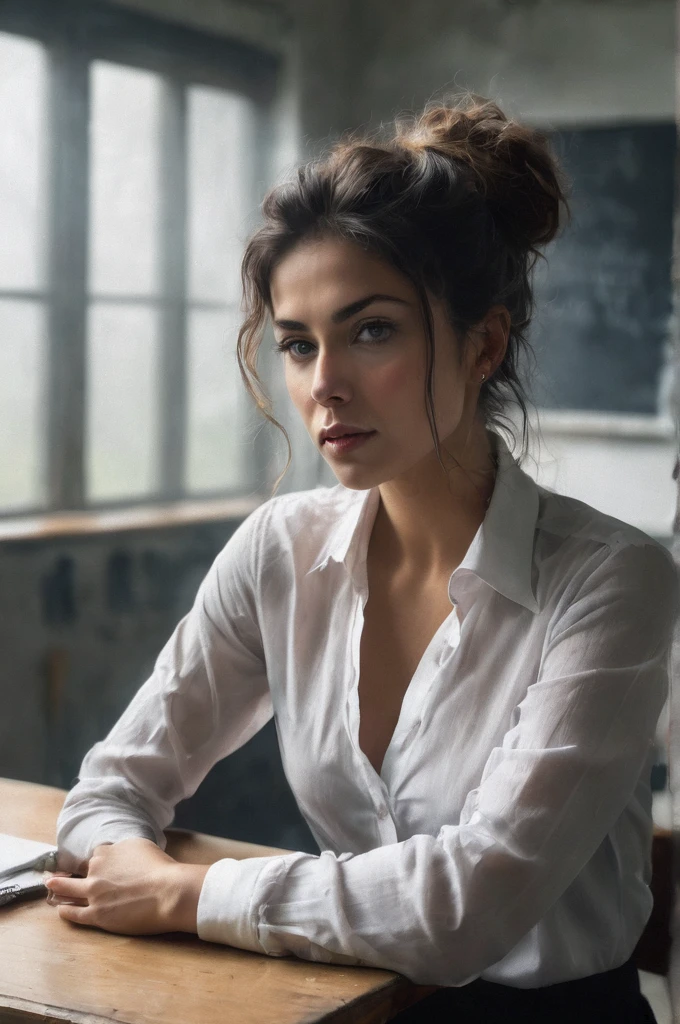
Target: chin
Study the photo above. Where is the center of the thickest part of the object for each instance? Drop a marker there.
(353, 481)
(358, 478)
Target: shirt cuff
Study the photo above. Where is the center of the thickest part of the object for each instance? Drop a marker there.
(229, 903)
(86, 834)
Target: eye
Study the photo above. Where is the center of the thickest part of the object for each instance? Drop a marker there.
(284, 346)
(384, 329)
(377, 325)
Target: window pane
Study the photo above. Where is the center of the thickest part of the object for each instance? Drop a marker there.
(22, 365)
(221, 195)
(217, 447)
(122, 402)
(22, 163)
(124, 180)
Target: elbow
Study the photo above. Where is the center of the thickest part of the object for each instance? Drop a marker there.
(468, 929)
(456, 958)
(452, 964)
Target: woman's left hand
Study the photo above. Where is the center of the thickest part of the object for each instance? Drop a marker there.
(132, 888)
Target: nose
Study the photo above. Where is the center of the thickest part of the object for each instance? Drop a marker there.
(331, 379)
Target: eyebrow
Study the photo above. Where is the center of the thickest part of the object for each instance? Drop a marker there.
(344, 313)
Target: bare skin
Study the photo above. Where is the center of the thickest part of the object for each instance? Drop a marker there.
(426, 518)
(131, 888)
(342, 372)
(338, 372)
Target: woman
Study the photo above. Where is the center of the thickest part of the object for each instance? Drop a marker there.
(465, 668)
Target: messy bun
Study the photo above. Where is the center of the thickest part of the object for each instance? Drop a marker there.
(459, 198)
(511, 164)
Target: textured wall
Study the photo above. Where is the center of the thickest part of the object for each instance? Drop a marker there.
(556, 61)
(81, 623)
(552, 61)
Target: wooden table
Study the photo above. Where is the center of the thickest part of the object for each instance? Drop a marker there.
(54, 971)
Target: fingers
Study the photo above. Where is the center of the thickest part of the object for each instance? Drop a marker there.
(53, 874)
(62, 885)
(61, 890)
(55, 900)
(77, 915)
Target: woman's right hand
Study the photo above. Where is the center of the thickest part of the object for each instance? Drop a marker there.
(53, 899)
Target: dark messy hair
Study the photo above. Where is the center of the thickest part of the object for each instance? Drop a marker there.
(458, 198)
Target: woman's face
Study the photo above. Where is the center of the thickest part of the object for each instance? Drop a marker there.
(356, 354)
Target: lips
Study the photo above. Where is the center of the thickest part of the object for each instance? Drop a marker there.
(338, 430)
(343, 444)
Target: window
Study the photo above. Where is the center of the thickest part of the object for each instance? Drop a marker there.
(132, 161)
(23, 82)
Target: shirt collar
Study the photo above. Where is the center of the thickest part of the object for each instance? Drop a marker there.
(501, 552)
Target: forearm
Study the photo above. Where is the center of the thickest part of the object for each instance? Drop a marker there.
(89, 819)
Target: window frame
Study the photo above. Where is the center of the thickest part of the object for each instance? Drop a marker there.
(75, 33)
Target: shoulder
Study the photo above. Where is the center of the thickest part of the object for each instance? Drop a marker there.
(563, 516)
(315, 509)
(575, 527)
(297, 525)
(588, 549)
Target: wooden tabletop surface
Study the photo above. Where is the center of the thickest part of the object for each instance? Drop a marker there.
(55, 971)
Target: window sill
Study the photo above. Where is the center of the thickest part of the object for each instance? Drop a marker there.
(143, 517)
(615, 426)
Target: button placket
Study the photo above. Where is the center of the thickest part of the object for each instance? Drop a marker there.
(374, 783)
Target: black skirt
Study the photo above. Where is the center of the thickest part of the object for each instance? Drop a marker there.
(612, 997)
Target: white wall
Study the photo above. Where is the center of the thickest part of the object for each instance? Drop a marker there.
(627, 475)
(552, 61)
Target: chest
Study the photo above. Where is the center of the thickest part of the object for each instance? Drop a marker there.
(399, 624)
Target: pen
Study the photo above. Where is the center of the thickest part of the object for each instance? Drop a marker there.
(13, 893)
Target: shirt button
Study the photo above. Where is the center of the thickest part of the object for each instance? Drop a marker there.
(382, 812)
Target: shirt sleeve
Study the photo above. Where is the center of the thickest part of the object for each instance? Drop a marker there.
(442, 909)
(208, 694)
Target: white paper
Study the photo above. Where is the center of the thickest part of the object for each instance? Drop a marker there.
(24, 860)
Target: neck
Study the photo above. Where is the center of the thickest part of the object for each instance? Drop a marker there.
(426, 518)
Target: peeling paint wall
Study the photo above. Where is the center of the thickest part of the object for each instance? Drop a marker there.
(82, 621)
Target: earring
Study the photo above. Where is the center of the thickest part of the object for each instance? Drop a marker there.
(483, 378)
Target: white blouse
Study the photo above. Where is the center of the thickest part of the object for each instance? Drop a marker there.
(508, 833)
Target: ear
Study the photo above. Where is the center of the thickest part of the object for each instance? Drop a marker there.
(492, 332)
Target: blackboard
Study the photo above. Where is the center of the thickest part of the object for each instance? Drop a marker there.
(603, 302)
